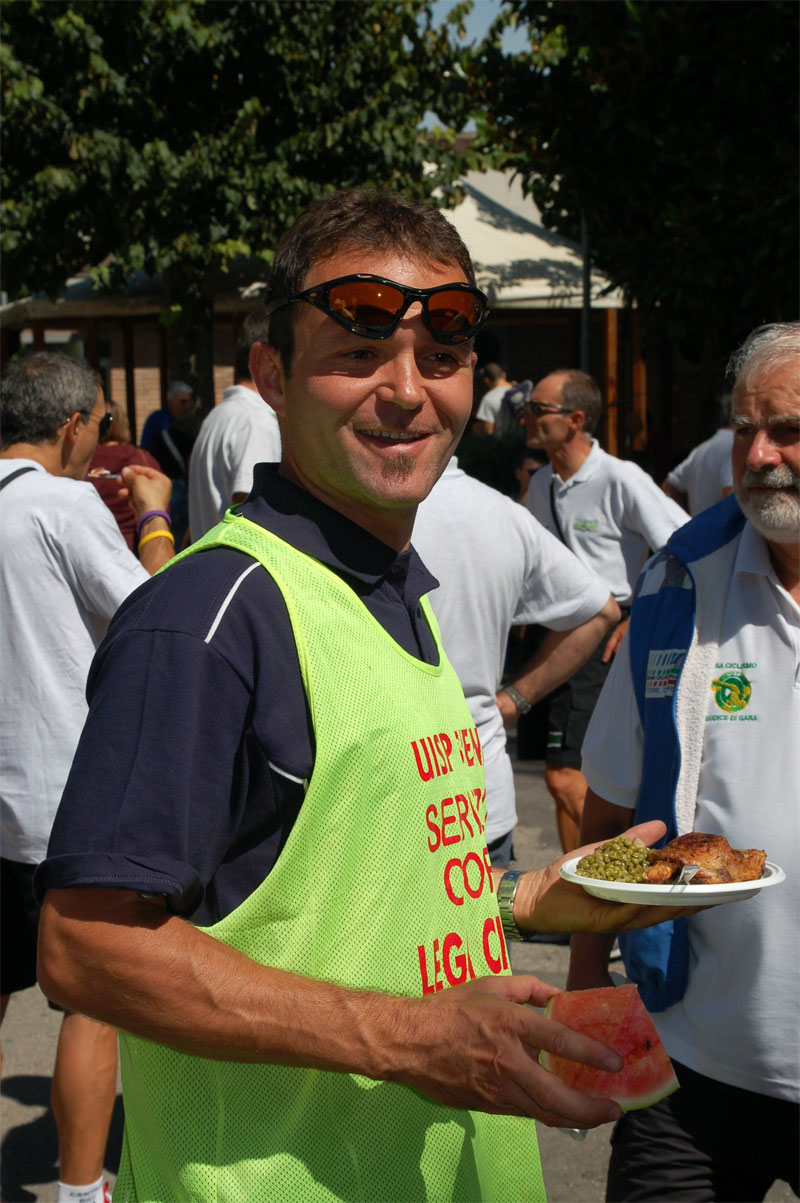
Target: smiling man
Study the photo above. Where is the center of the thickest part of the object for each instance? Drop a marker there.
(322, 819)
(370, 427)
(697, 725)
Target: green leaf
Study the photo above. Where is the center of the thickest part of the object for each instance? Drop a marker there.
(176, 135)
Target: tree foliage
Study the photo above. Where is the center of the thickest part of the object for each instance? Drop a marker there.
(672, 128)
(172, 136)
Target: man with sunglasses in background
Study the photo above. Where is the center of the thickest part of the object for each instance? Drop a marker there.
(322, 823)
(612, 515)
(64, 570)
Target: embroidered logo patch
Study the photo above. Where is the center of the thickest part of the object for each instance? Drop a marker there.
(663, 667)
(732, 691)
(589, 524)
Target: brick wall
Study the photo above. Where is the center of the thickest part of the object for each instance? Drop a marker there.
(116, 371)
(224, 344)
(146, 338)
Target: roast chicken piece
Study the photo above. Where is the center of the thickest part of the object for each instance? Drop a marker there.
(719, 863)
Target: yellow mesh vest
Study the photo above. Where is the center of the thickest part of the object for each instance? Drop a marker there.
(383, 885)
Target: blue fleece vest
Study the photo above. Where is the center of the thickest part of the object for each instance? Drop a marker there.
(660, 634)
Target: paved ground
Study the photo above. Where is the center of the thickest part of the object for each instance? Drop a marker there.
(574, 1170)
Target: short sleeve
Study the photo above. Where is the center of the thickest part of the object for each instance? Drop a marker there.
(488, 409)
(151, 802)
(93, 554)
(649, 511)
(257, 441)
(190, 769)
(678, 476)
(612, 747)
(558, 591)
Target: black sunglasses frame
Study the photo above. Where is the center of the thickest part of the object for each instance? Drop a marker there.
(536, 409)
(319, 297)
(104, 425)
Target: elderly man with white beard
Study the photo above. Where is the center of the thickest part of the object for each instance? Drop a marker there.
(697, 725)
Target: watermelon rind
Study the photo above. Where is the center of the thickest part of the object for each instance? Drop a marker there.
(616, 1016)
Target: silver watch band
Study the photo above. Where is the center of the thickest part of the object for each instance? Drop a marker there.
(506, 892)
(522, 704)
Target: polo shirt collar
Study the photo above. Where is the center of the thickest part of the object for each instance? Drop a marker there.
(753, 554)
(313, 527)
(587, 469)
(590, 465)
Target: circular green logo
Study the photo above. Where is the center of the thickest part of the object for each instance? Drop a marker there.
(732, 691)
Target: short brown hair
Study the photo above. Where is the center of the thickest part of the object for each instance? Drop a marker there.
(254, 328)
(581, 391)
(359, 218)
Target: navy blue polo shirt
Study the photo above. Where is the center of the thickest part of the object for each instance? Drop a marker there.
(198, 746)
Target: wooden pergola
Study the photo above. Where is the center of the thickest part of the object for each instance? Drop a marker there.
(100, 316)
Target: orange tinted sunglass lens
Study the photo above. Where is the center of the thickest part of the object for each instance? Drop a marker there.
(366, 302)
(451, 312)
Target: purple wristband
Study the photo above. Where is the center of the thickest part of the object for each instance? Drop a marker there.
(152, 514)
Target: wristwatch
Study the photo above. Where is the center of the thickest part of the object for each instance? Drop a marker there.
(506, 892)
(522, 704)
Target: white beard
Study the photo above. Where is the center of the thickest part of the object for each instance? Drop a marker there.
(775, 515)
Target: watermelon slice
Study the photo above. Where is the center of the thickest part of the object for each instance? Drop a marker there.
(616, 1016)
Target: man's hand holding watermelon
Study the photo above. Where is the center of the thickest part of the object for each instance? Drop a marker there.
(492, 1059)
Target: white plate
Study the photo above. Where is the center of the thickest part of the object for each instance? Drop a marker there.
(672, 895)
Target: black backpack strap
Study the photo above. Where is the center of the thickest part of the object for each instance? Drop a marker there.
(553, 510)
(175, 453)
(13, 475)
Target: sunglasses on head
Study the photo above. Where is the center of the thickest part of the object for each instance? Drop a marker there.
(373, 307)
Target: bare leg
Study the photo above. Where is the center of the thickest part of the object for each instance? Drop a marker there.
(568, 789)
(82, 1096)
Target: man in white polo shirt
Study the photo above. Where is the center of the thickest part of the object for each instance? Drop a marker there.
(698, 725)
(489, 416)
(64, 571)
(239, 433)
(612, 516)
(704, 477)
(497, 568)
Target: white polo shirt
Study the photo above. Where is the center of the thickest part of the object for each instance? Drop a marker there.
(239, 433)
(496, 568)
(705, 472)
(739, 1021)
(612, 514)
(491, 403)
(64, 570)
